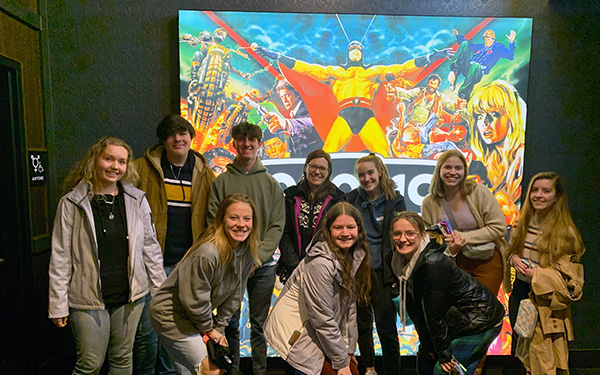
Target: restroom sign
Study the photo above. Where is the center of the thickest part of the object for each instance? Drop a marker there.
(38, 167)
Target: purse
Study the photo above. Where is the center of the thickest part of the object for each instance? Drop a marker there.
(484, 251)
(218, 354)
(328, 368)
(527, 317)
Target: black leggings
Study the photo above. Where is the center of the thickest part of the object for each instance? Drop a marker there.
(520, 292)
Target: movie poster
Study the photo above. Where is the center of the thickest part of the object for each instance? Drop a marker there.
(404, 88)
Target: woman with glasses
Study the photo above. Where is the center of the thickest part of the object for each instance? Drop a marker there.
(305, 206)
(455, 316)
(377, 202)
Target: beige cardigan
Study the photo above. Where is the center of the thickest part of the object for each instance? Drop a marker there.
(489, 217)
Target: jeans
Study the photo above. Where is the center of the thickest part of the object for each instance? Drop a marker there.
(232, 334)
(260, 290)
(164, 364)
(520, 292)
(186, 354)
(382, 307)
(96, 330)
(145, 348)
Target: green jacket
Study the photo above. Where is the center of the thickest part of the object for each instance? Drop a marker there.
(152, 182)
(266, 194)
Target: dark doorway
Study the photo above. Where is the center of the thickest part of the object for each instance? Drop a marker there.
(16, 315)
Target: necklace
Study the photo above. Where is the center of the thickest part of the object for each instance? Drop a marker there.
(172, 171)
(109, 202)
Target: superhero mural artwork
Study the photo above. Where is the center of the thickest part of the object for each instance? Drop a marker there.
(405, 88)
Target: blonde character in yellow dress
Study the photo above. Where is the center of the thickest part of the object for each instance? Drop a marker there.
(498, 136)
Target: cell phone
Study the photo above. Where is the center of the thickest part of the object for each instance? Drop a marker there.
(295, 336)
(527, 262)
(458, 369)
(445, 226)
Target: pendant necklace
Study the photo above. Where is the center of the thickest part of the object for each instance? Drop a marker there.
(110, 202)
(172, 171)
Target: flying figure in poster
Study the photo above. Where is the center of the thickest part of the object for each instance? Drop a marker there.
(354, 85)
(474, 60)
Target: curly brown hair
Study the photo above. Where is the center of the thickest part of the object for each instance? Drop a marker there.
(85, 167)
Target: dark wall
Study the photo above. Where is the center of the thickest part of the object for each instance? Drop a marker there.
(114, 70)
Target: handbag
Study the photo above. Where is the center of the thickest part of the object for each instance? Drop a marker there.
(218, 354)
(484, 251)
(328, 368)
(527, 317)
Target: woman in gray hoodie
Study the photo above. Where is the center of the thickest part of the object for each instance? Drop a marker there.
(211, 276)
(313, 322)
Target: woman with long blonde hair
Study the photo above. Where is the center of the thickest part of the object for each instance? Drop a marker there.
(545, 249)
(498, 136)
(105, 257)
(211, 276)
(477, 240)
(313, 323)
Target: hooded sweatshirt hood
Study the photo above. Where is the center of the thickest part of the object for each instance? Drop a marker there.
(236, 167)
(404, 269)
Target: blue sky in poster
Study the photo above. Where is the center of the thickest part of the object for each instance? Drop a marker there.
(319, 38)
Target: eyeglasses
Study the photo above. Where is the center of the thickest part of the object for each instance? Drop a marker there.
(408, 235)
(314, 168)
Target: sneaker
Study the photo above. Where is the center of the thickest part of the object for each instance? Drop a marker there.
(371, 372)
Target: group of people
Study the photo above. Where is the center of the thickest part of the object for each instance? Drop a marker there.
(151, 259)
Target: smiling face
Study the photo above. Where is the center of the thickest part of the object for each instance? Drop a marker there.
(344, 232)
(316, 172)
(543, 196)
(177, 145)
(247, 148)
(368, 177)
(452, 171)
(110, 166)
(237, 223)
(406, 238)
(492, 125)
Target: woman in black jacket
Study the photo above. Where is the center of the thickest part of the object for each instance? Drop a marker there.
(377, 201)
(305, 206)
(456, 317)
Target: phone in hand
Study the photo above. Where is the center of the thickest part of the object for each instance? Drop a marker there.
(445, 227)
(527, 262)
(458, 369)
